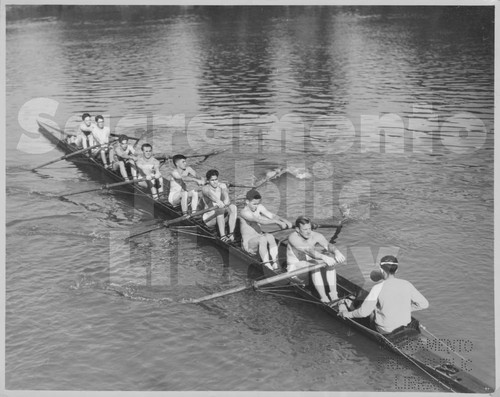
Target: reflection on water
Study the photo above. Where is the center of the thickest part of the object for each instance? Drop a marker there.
(381, 113)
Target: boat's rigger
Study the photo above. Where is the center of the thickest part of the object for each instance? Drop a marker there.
(409, 343)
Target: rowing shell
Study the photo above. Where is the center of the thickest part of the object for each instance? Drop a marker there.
(409, 342)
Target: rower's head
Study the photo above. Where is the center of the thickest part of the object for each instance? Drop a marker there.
(389, 264)
(123, 141)
(179, 160)
(303, 226)
(213, 178)
(86, 119)
(100, 121)
(253, 199)
(147, 150)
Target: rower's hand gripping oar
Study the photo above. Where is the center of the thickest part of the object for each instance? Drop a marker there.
(72, 154)
(106, 186)
(173, 221)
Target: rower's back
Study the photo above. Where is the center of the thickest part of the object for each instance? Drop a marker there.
(396, 300)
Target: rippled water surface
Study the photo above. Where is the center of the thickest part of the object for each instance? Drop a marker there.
(383, 114)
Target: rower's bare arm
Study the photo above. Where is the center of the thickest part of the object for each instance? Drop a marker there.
(418, 301)
(310, 250)
(368, 305)
(339, 257)
(267, 217)
(224, 194)
(208, 193)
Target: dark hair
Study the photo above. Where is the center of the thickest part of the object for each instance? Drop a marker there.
(99, 117)
(85, 115)
(253, 194)
(146, 145)
(122, 137)
(211, 173)
(389, 263)
(302, 220)
(178, 157)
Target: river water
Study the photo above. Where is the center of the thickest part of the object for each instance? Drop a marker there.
(384, 115)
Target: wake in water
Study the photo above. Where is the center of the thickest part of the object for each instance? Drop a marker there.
(99, 282)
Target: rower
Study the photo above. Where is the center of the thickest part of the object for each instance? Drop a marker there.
(254, 240)
(149, 167)
(215, 193)
(84, 136)
(301, 252)
(390, 302)
(179, 192)
(101, 135)
(124, 158)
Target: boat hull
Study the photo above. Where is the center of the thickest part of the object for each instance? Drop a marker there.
(409, 343)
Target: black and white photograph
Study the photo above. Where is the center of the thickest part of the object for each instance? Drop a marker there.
(249, 197)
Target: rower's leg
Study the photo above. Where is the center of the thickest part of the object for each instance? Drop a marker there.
(317, 279)
(273, 250)
(331, 278)
(184, 201)
(154, 192)
(194, 200)
(103, 158)
(232, 219)
(158, 183)
(221, 223)
(123, 170)
(133, 169)
(263, 252)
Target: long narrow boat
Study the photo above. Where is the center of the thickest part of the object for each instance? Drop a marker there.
(414, 343)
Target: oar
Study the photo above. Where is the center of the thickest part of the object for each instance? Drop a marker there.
(260, 283)
(187, 216)
(163, 156)
(106, 186)
(172, 222)
(129, 137)
(229, 184)
(67, 156)
(324, 226)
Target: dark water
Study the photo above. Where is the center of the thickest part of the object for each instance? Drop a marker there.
(383, 114)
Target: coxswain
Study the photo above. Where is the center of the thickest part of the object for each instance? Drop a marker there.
(390, 302)
(101, 135)
(215, 193)
(301, 252)
(179, 192)
(254, 241)
(149, 167)
(84, 137)
(124, 158)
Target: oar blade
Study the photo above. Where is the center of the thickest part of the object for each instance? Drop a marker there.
(219, 294)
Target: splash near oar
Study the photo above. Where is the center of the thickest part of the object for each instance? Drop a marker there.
(299, 173)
